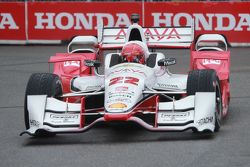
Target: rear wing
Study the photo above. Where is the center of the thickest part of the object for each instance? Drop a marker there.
(211, 42)
(77, 43)
(156, 37)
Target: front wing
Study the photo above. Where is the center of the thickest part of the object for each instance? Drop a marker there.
(192, 112)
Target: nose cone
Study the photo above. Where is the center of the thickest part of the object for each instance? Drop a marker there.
(124, 85)
(123, 93)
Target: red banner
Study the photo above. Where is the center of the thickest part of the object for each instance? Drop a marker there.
(231, 19)
(63, 20)
(12, 21)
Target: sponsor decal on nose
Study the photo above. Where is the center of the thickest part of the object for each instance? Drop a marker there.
(118, 105)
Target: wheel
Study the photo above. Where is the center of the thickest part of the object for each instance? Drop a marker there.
(41, 84)
(206, 81)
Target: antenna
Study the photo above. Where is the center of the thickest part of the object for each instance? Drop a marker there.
(135, 18)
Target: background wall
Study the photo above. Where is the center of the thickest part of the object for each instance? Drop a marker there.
(53, 21)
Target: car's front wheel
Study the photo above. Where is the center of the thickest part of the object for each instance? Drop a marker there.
(206, 81)
(41, 84)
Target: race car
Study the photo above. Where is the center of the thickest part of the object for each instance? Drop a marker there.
(131, 83)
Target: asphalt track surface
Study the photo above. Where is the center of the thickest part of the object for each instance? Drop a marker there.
(123, 145)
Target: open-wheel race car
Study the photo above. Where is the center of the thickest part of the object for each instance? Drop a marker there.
(134, 84)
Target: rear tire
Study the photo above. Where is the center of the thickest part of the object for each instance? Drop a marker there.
(206, 81)
(41, 84)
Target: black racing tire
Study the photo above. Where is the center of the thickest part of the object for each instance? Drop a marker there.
(41, 84)
(206, 81)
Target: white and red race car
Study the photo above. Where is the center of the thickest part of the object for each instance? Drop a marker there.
(76, 96)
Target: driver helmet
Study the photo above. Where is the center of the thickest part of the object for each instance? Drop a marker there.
(133, 52)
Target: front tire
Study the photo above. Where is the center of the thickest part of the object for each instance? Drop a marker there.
(206, 81)
(41, 84)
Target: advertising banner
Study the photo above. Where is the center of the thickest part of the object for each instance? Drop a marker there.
(231, 19)
(63, 20)
(12, 21)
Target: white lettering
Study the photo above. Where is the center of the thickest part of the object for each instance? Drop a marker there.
(68, 18)
(41, 21)
(157, 21)
(105, 17)
(71, 63)
(178, 17)
(201, 20)
(221, 19)
(122, 20)
(244, 21)
(211, 61)
(6, 20)
(209, 21)
(78, 21)
(82, 21)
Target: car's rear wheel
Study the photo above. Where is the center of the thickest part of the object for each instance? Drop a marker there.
(41, 84)
(206, 81)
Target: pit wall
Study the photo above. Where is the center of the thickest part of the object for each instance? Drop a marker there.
(53, 22)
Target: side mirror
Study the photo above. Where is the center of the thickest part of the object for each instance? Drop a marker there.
(92, 63)
(167, 62)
